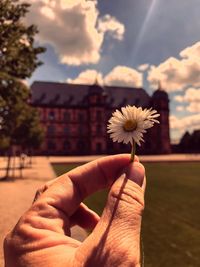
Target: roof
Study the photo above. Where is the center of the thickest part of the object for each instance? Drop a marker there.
(65, 94)
(121, 96)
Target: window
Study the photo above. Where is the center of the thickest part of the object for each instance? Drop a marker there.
(99, 129)
(80, 117)
(51, 115)
(66, 145)
(66, 130)
(66, 116)
(99, 115)
(51, 145)
(51, 129)
(81, 130)
(98, 147)
(80, 146)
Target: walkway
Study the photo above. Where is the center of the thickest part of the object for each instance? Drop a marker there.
(16, 195)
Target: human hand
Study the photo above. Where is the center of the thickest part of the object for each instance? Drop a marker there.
(42, 235)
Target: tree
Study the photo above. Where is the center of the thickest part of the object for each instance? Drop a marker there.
(185, 142)
(190, 143)
(18, 60)
(30, 133)
(195, 141)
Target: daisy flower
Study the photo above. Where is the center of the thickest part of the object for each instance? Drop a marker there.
(129, 125)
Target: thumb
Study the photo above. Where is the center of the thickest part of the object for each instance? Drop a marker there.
(126, 199)
(120, 223)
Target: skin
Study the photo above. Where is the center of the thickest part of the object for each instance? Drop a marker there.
(42, 235)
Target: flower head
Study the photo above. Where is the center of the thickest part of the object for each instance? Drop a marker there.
(130, 124)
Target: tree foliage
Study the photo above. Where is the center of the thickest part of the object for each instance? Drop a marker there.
(190, 143)
(18, 56)
(19, 122)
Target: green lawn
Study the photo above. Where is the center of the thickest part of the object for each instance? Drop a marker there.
(171, 223)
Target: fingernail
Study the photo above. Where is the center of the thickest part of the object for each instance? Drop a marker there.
(135, 172)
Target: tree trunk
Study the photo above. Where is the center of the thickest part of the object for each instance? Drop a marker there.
(8, 164)
(30, 158)
(13, 165)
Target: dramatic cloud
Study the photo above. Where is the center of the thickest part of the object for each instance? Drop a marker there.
(176, 74)
(71, 27)
(190, 122)
(192, 98)
(124, 76)
(88, 77)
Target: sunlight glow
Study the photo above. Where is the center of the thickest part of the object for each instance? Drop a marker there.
(144, 28)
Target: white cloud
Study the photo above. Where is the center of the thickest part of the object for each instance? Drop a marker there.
(191, 122)
(71, 28)
(180, 108)
(87, 77)
(191, 51)
(194, 107)
(192, 98)
(178, 98)
(119, 76)
(111, 25)
(124, 76)
(176, 74)
(143, 67)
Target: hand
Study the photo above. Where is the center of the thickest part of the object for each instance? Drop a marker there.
(42, 235)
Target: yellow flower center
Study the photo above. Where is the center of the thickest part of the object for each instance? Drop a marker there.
(130, 125)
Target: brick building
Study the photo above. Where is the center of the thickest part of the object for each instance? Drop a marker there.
(75, 118)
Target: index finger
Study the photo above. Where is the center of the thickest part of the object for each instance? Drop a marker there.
(69, 190)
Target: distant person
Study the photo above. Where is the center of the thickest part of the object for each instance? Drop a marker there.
(42, 235)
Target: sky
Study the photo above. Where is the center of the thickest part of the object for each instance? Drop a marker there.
(136, 43)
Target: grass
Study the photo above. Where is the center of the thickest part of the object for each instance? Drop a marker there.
(171, 222)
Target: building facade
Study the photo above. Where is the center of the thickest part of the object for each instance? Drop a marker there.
(75, 118)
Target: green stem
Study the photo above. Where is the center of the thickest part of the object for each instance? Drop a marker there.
(133, 148)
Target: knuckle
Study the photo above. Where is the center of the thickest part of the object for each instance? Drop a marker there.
(130, 194)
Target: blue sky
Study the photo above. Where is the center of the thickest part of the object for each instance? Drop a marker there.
(125, 42)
